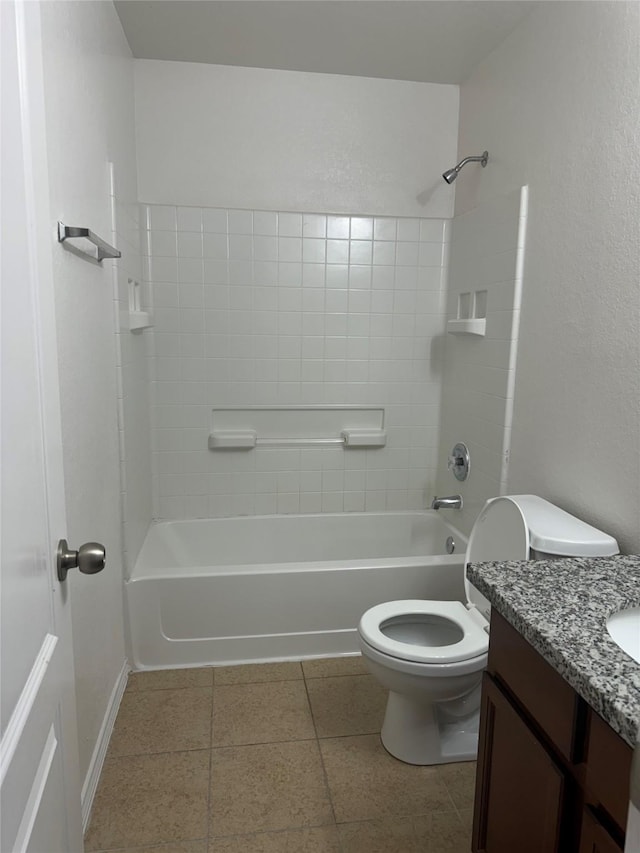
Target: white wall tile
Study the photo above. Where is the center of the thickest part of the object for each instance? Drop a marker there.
(191, 269)
(314, 225)
(265, 222)
(162, 217)
(213, 220)
(290, 225)
(216, 246)
(409, 229)
(338, 227)
(268, 307)
(240, 221)
(384, 229)
(189, 219)
(313, 275)
(337, 251)
(164, 244)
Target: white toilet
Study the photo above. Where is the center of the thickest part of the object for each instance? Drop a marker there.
(430, 654)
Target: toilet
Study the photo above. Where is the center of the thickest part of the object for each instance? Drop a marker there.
(430, 654)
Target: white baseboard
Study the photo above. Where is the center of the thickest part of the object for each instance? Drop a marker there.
(97, 759)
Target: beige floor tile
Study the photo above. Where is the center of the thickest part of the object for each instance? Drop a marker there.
(267, 787)
(327, 667)
(321, 839)
(460, 780)
(377, 836)
(256, 672)
(163, 721)
(466, 816)
(366, 783)
(150, 799)
(163, 679)
(261, 713)
(442, 833)
(437, 833)
(180, 847)
(347, 705)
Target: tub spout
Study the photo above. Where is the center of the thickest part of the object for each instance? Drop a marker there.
(452, 502)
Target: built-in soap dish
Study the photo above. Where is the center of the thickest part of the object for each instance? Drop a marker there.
(472, 315)
(138, 319)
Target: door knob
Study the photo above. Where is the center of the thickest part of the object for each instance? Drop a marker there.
(90, 558)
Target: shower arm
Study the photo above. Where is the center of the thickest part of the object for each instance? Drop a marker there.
(483, 158)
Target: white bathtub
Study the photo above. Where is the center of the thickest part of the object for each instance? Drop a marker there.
(264, 588)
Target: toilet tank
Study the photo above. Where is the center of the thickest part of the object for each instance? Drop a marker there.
(521, 527)
(554, 533)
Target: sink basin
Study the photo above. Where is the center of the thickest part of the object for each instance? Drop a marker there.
(624, 630)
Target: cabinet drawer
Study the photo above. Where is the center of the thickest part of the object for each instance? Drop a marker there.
(608, 769)
(545, 695)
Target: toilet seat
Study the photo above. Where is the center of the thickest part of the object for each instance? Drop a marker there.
(462, 634)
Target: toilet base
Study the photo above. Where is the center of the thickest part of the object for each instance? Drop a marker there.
(418, 733)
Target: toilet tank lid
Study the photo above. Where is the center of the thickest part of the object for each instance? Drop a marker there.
(554, 531)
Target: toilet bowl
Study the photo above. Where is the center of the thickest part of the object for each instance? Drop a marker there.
(430, 654)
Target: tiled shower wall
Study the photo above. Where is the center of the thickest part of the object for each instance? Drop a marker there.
(277, 308)
(487, 255)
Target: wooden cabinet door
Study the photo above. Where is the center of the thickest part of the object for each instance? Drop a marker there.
(519, 788)
(594, 838)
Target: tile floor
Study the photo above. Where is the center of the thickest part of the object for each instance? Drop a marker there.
(270, 758)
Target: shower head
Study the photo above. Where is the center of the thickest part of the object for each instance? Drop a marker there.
(451, 174)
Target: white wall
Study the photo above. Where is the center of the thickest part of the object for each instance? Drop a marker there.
(89, 106)
(557, 107)
(213, 135)
(276, 308)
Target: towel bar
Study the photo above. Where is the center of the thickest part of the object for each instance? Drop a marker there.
(74, 232)
(248, 439)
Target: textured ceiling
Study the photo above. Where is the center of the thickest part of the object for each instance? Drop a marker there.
(432, 42)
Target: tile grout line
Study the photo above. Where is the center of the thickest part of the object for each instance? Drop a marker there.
(322, 764)
(156, 846)
(259, 832)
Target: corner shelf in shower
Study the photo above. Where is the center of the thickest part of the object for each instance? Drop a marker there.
(472, 326)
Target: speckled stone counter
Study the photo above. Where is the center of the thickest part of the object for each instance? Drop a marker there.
(561, 607)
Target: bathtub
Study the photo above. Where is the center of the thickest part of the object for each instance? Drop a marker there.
(268, 588)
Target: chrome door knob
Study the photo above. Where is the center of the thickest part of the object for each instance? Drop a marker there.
(90, 558)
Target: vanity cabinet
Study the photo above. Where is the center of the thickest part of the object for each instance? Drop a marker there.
(552, 776)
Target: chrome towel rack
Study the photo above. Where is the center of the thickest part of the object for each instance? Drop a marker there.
(101, 249)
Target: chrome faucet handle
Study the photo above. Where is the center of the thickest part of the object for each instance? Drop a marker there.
(459, 462)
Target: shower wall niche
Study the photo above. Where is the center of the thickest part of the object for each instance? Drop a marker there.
(272, 308)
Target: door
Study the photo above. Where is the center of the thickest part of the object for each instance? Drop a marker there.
(519, 788)
(39, 786)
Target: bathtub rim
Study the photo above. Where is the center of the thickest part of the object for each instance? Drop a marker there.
(138, 574)
(179, 573)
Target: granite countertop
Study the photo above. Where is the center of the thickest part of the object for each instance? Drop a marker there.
(561, 607)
